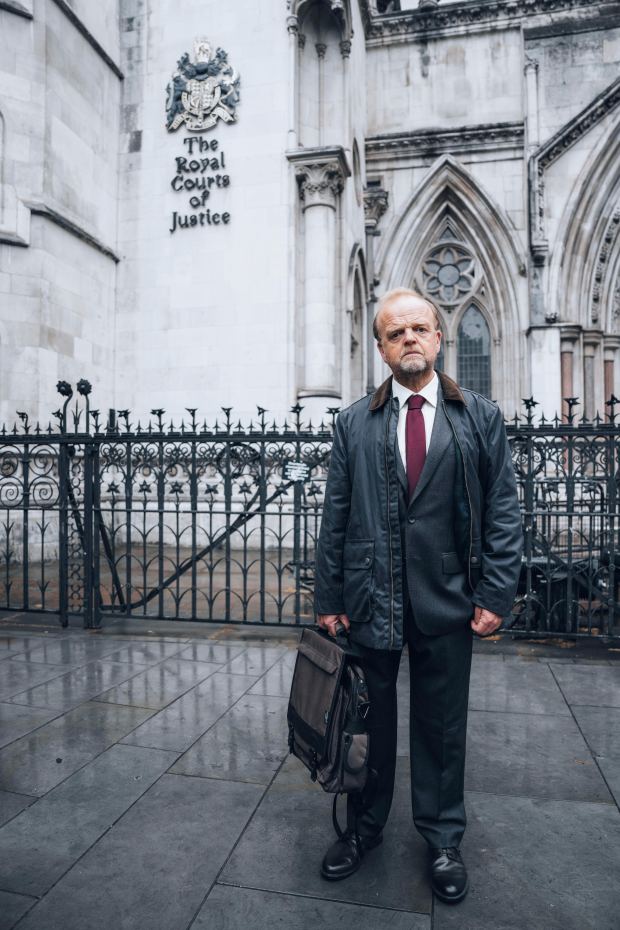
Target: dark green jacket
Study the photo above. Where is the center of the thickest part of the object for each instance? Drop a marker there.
(362, 504)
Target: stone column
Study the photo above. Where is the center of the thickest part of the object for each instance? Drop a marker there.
(292, 26)
(611, 344)
(321, 48)
(321, 175)
(568, 337)
(375, 205)
(591, 341)
(531, 97)
(345, 53)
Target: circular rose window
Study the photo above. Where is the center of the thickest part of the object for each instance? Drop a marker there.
(448, 273)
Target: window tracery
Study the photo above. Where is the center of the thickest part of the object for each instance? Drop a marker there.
(451, 276)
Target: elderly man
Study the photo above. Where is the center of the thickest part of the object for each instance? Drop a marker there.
(420, 544)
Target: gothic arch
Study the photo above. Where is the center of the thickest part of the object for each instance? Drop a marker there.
(449, 196)
(357, 266)
(339, 9)
(477, 300)
(356, 325)
(579, 284)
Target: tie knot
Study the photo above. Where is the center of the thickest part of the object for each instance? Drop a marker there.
(415, 402)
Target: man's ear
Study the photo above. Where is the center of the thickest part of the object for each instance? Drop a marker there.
(381, 352)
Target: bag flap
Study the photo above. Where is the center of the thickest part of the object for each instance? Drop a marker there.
(328, 662)
(322, 650)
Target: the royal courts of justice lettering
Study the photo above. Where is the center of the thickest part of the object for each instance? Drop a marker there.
(202, 202)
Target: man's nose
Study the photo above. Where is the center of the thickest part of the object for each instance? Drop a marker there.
(409, 334)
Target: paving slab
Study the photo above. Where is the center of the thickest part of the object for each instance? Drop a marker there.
(69, 651)
(601, 728)
(180, 724)
(153, 868)
(536, 865)
(277, 681)
(532, 755)
(611, 773)
(141, 654)
(36, 763)
(248, 743)
(43, 842)
(159, 685)
(515, 686)
(221, 653)
(282, 848)
(17, 675)
(232, 908)
(19, 642)
(12, 804)
(255, 660)
(78, 685)
(16, 721)
(589, 684)
(12, 907)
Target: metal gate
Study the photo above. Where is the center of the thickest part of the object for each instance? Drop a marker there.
(219, 521)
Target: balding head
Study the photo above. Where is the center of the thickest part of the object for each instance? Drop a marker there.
(408, 336)
(407, 297)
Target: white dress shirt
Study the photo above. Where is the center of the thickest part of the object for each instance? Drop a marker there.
(429, 393)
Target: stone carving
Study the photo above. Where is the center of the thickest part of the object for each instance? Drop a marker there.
(375, 205)
(319, 183)
(548, 153)
(460, 139)
(609, 240)
(203, 91)
(437, 18)
(448, 273)
(340, 9)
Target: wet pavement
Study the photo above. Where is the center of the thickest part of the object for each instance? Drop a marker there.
(145, 785)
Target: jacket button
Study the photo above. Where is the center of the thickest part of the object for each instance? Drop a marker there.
(474, 560)
(367, 560)
(412, 520)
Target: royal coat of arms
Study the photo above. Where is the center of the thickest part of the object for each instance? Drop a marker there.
(203, 91)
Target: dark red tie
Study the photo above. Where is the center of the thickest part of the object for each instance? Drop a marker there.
(415, 441)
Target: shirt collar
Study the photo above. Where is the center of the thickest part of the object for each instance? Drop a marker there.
(428, 392)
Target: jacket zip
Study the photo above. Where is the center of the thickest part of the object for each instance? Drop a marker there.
(471, 542)
(387, 481)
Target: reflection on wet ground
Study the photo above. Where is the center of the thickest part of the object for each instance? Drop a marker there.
(145, 783)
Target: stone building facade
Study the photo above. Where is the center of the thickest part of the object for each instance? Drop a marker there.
(469, 149)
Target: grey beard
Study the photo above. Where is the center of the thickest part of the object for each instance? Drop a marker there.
(416, 365)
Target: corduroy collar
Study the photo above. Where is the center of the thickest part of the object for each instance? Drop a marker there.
(451, 391)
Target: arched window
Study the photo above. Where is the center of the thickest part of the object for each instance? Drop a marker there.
(474, 352)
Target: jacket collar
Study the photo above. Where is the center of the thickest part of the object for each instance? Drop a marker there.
(451, 391)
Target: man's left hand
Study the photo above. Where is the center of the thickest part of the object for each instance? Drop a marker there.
(485, 621)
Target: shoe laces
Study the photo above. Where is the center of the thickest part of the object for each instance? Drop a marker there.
(451, 852)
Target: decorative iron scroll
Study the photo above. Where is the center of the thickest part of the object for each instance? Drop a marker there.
(220, 521)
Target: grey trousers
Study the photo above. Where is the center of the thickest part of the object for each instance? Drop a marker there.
(439, 671)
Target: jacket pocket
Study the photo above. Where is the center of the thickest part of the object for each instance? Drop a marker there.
(475, 561)
(358, 564)
(450, 563)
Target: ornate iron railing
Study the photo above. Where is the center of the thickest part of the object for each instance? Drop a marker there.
(219, 522)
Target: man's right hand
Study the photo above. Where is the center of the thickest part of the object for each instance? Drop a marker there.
(330, 621)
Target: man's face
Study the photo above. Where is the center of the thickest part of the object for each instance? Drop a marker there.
(409, 342)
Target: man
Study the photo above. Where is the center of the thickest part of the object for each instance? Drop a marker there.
(420, 544)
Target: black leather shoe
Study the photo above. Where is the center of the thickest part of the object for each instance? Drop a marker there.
(344, 857)
(448, 874)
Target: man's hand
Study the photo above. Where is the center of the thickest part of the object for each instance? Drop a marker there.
(329, 621)
(485, 621)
